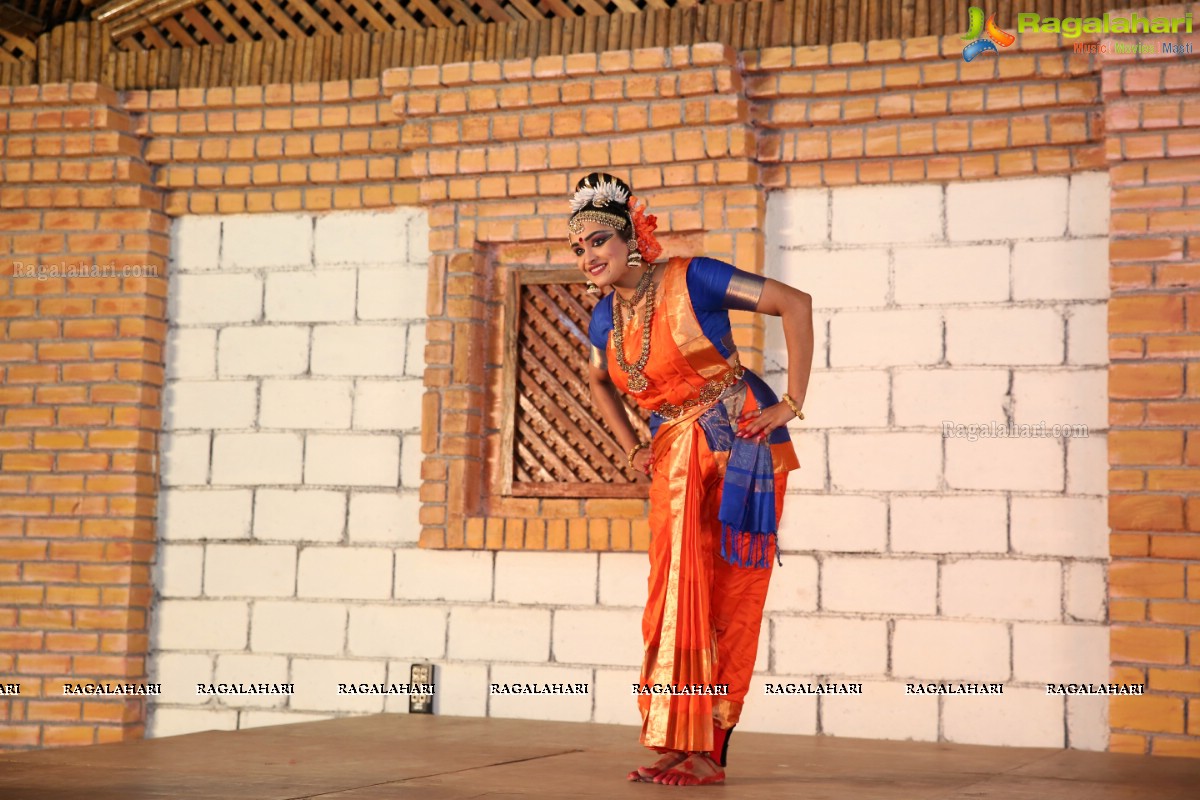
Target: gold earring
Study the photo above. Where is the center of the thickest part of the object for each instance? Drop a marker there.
(635, 257)
(593, 289)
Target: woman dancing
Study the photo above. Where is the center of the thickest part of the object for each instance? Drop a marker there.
(718, 461)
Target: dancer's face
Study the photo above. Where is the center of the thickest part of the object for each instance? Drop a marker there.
(601, 253)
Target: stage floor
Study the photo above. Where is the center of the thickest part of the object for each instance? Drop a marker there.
(389, 756)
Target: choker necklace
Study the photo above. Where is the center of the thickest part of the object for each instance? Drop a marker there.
(637, 381)
(638, 293)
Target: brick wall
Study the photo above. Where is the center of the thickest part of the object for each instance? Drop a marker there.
(497, 146)
(1152, 116)
(91, 176)
(81, 368)
(487, 152)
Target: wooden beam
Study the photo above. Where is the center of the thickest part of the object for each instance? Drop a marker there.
(147, 15)
(16, 22)
(115, 9)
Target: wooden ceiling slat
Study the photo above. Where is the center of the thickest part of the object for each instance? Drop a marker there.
(13, 41)
(130, 44)
(349, 24)
(531, 13)
(179, 33)
(281, 19)
(465, 15)
(153, 37)
(495, 11)
(202, 26)
(557, 8)
(401, 14)
(314, 18)
(374, 19)
(231, 25)
(433, 14)
(253, 18)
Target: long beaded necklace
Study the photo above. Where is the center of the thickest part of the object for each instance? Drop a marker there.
(637, 381)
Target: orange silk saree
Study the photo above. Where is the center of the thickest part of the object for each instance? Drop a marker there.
(706, 589)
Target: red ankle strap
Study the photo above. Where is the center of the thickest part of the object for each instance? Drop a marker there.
(720, 750)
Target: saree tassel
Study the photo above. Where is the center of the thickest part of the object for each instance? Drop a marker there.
(748, 548)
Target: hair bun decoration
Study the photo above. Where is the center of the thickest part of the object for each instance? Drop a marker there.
(600, 195)
(643, 228)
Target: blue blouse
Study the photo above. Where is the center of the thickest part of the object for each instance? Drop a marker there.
(714, 287)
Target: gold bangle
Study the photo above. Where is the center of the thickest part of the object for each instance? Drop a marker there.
(633, 452)
(787, 399)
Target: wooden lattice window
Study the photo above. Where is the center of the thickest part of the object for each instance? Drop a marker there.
(554, 442)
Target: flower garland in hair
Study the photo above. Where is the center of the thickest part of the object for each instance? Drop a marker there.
(600, 195)
(643, 228)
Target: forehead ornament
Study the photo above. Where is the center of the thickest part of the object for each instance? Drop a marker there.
(600, 196)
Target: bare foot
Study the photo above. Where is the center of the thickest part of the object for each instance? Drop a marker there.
(698, 769)
(648, 774)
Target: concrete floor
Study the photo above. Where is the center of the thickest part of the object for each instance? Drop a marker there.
(393, 756)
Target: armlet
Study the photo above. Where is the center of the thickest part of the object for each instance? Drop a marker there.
(744, 291)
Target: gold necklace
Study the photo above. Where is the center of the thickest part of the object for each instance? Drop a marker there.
(637, 381)
(643, 285)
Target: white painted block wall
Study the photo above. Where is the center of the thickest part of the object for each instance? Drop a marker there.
(290, 461)
(290, 470)
(923, 558)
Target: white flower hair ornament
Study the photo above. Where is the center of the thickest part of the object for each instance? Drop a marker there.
(600, 195)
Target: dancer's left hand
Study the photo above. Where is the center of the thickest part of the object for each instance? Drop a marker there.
(759, 423)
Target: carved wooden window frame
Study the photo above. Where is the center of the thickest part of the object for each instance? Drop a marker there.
(625, 484)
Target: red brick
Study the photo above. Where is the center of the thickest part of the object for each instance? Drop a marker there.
(1145, 512)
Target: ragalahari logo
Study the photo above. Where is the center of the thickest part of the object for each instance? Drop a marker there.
(995, 36)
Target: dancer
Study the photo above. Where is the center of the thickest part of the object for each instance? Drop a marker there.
(718, 460)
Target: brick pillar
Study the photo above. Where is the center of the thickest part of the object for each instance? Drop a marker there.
(1154, 392)
(80, 376)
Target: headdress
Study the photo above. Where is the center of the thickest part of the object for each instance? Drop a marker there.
(592, 203)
